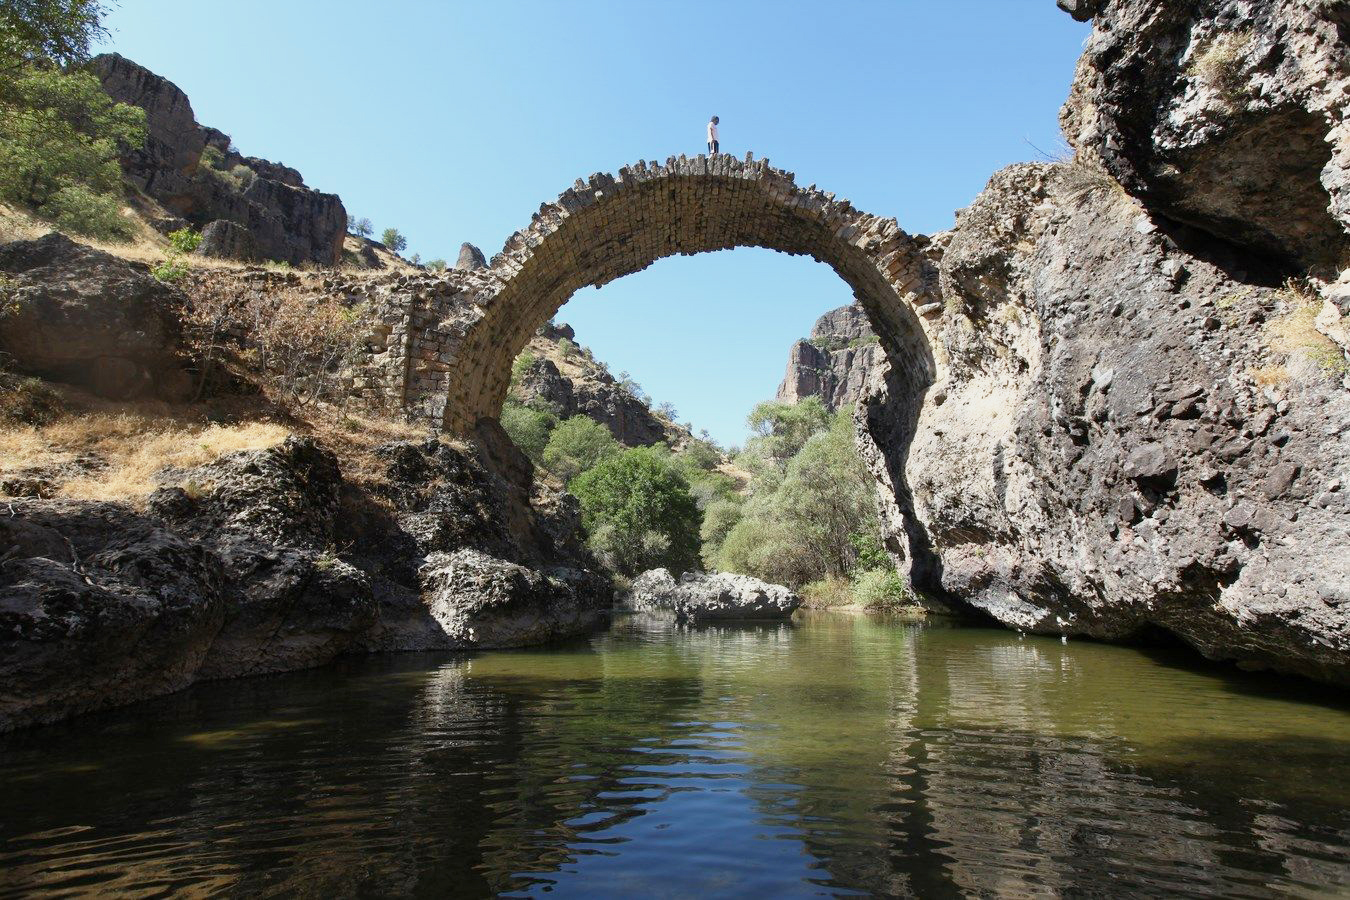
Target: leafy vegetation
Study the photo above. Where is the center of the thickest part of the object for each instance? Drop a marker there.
(809, 517)
(185, 240)
(528, 428)
(170, 269)
(577, 445)
(394, 240)
(639, 513)
(60, 134)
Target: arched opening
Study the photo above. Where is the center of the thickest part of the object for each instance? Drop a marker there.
(610, 226)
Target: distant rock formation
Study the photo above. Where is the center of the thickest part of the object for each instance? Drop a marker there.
(470, 257)
(194, 172)
(835, 362)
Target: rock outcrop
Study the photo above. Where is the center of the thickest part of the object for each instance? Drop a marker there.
(1128, 436)
(75, 314)
(195, 173)
(699, 597)
(1229, 115)
(238, 568)
(588, 389)
(835, 362)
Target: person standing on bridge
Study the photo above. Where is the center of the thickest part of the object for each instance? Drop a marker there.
(712, 136)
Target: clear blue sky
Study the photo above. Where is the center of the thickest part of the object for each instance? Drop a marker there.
(453, 121)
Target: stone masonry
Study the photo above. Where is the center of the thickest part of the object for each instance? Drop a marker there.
(443, 344)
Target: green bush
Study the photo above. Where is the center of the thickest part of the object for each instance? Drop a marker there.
(170, 270)
(638, 511)
(185, 240)
(520, 365)
(394, 240)
(576, 445)
(79, 210)
(828, 592)
(435, 265)
(567, 348)
(528, 428)
(810, 515)
(881, 589)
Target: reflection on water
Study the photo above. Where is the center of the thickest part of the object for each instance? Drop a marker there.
(839, 756)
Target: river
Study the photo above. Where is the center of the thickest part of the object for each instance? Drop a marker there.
(840, 755)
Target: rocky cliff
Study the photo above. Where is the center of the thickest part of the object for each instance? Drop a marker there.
(834, 362)
(1141, 421)
(196, 174)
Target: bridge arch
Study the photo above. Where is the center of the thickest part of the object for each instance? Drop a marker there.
(608, 226)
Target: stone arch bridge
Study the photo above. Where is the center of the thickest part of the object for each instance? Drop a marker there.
(443, 345)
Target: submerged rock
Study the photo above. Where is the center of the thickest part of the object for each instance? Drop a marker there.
(716, 596)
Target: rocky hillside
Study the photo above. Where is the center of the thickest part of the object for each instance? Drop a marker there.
(247, 208)
(1141, 421)
(835, 362)
(567, 379)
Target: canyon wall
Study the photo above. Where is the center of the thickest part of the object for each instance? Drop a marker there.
(1141, 419)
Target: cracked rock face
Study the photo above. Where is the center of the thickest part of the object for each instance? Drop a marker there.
(1230, 115)
(1126, 435)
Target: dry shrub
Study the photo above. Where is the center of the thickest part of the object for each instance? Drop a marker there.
(1270, 376)
(1219, 64)
(294, 343)
(831, 591)
(27, 401)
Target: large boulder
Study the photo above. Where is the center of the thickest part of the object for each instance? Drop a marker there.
(470, 258)
(82, 316)
(712, 597)
(1230, 115)
(268, 516)
(480, 601)
(223, 239)
(1124, 437)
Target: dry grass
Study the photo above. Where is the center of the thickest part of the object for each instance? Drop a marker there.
(1270, 376)
(1219, 64)
(135, 449)
(1295, 333)
(831, 592)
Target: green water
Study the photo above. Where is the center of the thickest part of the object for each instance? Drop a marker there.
(842, 755)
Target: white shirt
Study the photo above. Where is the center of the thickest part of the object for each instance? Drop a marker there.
(712, 132)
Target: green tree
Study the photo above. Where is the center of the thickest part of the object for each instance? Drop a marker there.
(639, 512)
(361, 227)
(436, 265)
(528, 428)
(808, 518)
(394, 240)
(576, 445)
(59, 31)
(781, 429)
(60, 134)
